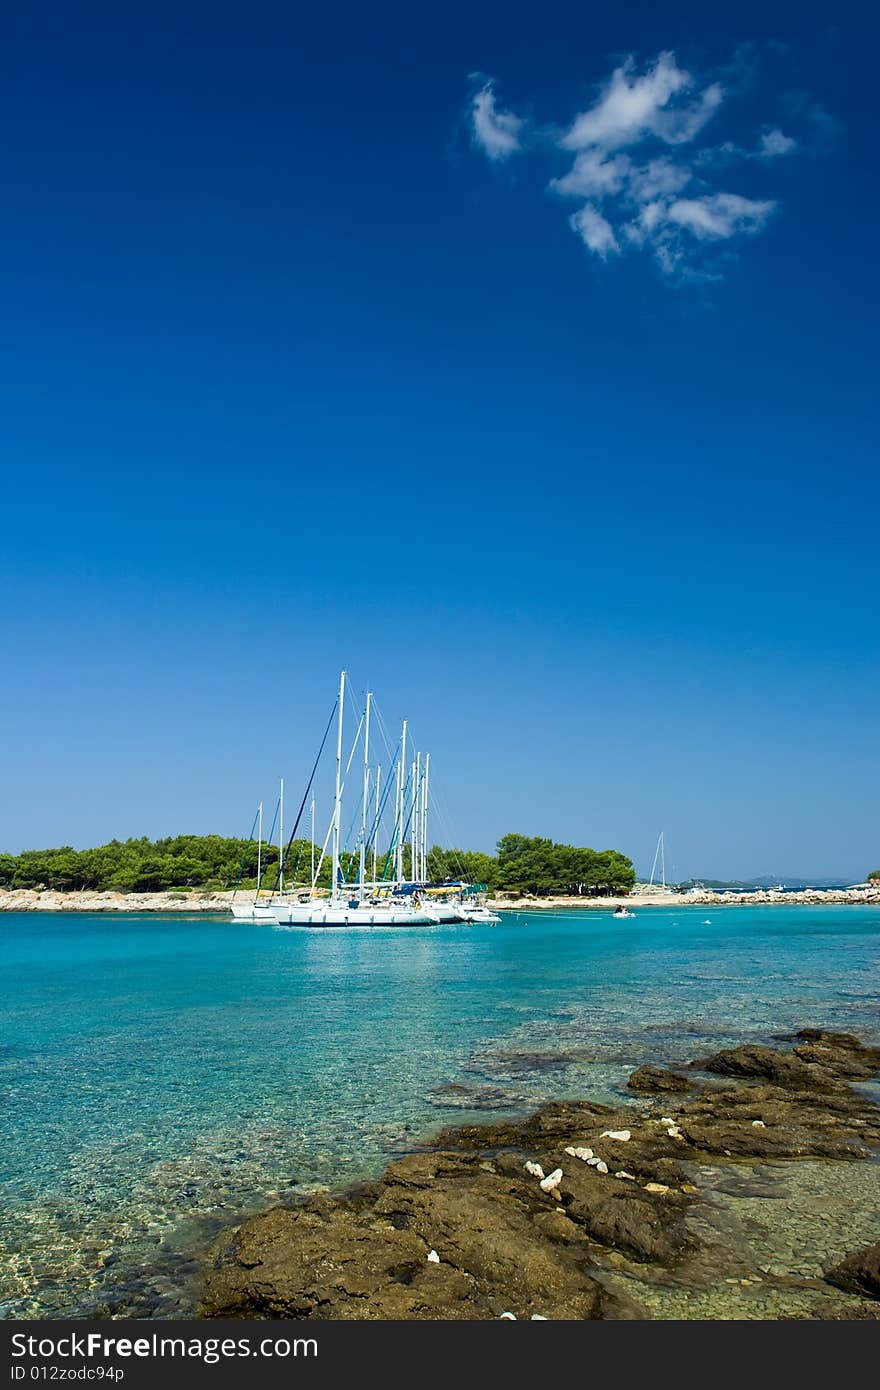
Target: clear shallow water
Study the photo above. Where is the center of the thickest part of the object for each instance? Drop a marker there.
(161, 1074)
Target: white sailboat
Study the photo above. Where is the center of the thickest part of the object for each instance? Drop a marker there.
(659, 854)
(256, 909)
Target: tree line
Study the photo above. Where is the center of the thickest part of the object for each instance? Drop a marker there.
(523, 864)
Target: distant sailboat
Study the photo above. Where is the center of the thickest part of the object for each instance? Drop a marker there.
(659, 853)
(257, 910)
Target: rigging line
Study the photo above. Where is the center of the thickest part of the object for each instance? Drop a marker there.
(245, 850)
(374, 829)
(306, 793)
(383, 728)
(404, 829)
(398, 836)
(357, 739)
(269, 845)
(442, 816)
(398, 833)
(374, 826)
(457, 853)
(356, 813)
(298, 862)
(332, 818)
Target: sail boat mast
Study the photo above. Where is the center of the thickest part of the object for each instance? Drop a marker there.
(337, 803)
(376, 820)
(424, 873)
(365, 792)
(281, 838)
(400, 825)
(259, 846)
(659, 853)
(415, 835)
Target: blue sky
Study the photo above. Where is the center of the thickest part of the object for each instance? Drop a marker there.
(301, 369)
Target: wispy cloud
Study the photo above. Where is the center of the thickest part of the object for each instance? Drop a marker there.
(637, 167)
(629, 106)
(719, 216)
(595, 231)
(774, 143)
(496, 132)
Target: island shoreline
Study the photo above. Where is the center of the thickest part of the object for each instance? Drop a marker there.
(199, 901)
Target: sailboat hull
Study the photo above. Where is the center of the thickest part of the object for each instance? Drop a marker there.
(252, 912)
(341, 915)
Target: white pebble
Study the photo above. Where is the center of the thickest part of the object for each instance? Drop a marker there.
(433, 1257)
(535, 1169)
(666, 1120)
(538, 1317)
(552, 1180)
(623, 1134)
(601, 1167)
(758, 1124)
(593, 1161)
(511, 1317)
(659, 1187)
(623, 1174)
(579, 1152)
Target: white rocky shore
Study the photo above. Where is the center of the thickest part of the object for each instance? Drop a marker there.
(864, 893)
(47, 900)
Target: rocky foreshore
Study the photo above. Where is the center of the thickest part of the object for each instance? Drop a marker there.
(653, 1209)
(50, 900)
(703, 897)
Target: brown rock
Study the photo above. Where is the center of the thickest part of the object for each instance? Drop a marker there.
(650, 1080)
(840, 1053)
(370, 1261)
(859, 1272)
(769, 1064)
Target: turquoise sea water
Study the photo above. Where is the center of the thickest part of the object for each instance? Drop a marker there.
(161, 1074)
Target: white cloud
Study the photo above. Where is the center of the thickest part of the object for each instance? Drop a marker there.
(680, 124)
(595, 231)
(719, 215)
(774, 143)
(771, 145)
(592, 175)
(632, 196)
(497, 132)
(658, 178)
(632, 107)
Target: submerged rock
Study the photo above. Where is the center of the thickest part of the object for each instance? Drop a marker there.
(769, 1064)
(453, 1096)
(840, 1053)
(859, 1272)
(650, 1080)
(497, 1062)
